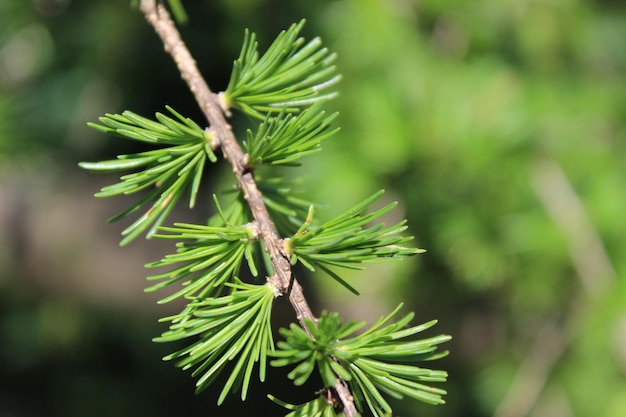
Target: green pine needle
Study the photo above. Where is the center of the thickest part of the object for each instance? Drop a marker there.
(284, 139)
(284, 201)
(290, 74)
(319, 407)
(211, 256)
(376, 362)
(232, 328)
(348, 241)
(180, 15)
(235, 211)
(166, 173)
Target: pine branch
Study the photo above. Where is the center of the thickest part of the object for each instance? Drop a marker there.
(222, 136)
(222, 133)
(226, 320)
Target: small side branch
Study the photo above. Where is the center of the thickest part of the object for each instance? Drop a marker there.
(159, 18)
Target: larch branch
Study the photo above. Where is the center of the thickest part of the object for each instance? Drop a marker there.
(159, 18)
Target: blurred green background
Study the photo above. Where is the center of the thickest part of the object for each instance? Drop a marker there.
(500, 126)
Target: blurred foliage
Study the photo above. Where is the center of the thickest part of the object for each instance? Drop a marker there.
(499, 126)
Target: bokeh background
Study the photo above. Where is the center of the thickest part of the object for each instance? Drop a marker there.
(499, 126)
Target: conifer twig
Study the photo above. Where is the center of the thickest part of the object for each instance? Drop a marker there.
(223, 137)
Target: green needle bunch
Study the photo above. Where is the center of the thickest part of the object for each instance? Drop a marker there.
(207, 262)
(347, 242)
(371, 362)
(175, 166)
(216, 268)
(290, 74)
(222, 329)
(282, 139)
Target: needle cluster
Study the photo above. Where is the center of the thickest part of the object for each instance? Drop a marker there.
(217, 266)
(372, 362)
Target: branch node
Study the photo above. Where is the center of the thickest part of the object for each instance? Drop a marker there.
(212, 138)
(222, 100)
(285, 248)
(276, 289)
(245, 162)
(253, 230)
